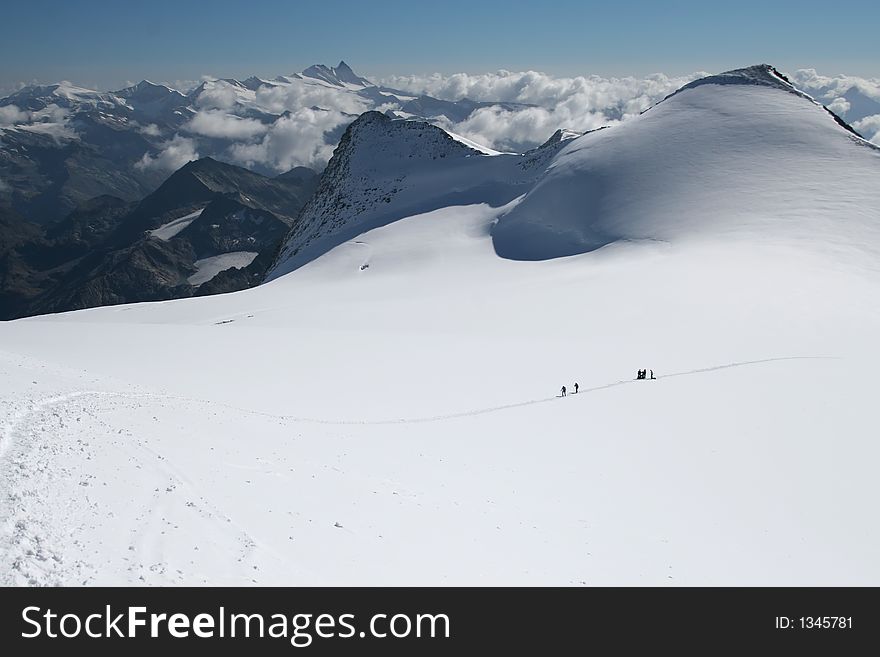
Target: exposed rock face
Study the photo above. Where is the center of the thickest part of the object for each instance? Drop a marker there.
(110, 251)
(385, 169)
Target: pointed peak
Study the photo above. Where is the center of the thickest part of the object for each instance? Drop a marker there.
(148, 91)
(339, 76)
(321, 72)
(344, 73)
(253, 83)
(563, 134)
(202, 164)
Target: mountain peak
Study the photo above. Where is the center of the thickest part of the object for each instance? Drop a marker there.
(763, 75)
(563, 134)
(147, 84)
(339, 76)
(719, 140)
(253, 83)
(148, 92)
(203, 164)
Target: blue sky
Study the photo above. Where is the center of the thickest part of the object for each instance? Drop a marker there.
(104, 44)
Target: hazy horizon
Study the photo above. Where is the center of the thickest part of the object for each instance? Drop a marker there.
(102, 45)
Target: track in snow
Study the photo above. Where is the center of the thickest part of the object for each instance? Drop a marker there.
(415, 420)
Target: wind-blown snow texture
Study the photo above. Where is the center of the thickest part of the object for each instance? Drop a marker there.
(387, 414)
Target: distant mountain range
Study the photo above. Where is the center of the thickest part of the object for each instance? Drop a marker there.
(61, 145)
(134, 195)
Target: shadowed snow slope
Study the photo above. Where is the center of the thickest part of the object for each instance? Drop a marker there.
(739, 154)
(384, 170)
(387, 413)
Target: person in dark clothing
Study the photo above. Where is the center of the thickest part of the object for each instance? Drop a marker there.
(563, 391)
(652, 375)
(640, 375)
(575, 388)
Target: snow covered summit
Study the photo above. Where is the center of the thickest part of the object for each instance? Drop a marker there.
(339, 76)
(741, 154)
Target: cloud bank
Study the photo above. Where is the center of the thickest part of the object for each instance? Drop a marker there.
(10, 115)
(869, 127)
(297, 121)
(173, 154)
(220, 124)
(295, 139)
(834, 87)
(578, 103)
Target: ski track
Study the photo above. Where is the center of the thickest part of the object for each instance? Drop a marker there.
(9, 427)
(38, 532)
(491, 409)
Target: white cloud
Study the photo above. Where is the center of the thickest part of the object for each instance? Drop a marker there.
(217, 123)
(56, 131)
(538, 88)
(174, 154)
(834, 87)
(11, 115)
(52, 113)
(151, 130)
(504, 129)
(309, 111)
(299, 95)
(869, 127)
(183, 86)
(52, 120)
(839, 106)
(295, 139)
(580, 103)
(532, 106)
(217, 94)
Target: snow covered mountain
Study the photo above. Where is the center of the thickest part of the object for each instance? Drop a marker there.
(340, 76)
(384, 169)
(155, 102)
(388, 412)
(756, 173)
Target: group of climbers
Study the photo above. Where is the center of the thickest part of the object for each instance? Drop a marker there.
(640, 375)
(564, 390)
